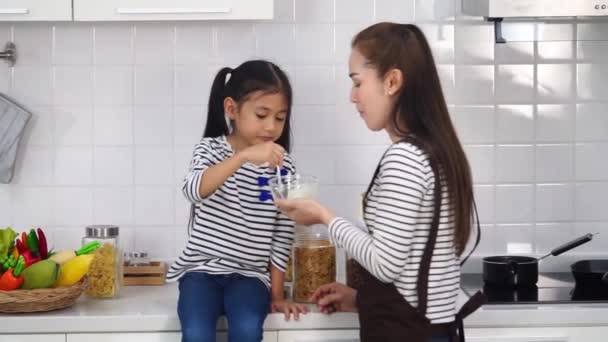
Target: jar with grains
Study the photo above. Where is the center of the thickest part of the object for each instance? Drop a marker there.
(314, 262)
(105, 272)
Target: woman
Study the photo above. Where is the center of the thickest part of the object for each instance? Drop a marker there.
(419, 205)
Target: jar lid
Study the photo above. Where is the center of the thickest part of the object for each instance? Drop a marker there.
(137, 254)
(101, 231)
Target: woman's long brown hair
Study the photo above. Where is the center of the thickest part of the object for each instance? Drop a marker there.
(421, 110)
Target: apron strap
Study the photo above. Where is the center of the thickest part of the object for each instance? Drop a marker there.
(425, 264)
(476, 301)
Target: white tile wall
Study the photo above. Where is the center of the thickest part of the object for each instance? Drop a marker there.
(118, 106)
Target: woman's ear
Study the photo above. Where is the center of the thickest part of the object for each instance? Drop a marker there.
(393, 82)
(230, 108)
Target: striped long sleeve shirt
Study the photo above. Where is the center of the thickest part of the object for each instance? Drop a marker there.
(398, 216)
(236, 229)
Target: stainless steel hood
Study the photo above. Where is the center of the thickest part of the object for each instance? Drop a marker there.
(535, 8)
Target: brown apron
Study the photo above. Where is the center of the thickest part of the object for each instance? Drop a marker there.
(385, 316)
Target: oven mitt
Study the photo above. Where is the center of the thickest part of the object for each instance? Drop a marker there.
(13, 119)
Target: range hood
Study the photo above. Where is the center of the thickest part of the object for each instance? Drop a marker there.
(535, 8)
(497, 10)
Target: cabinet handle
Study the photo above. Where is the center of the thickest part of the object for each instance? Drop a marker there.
(172, 10)
(14, 10)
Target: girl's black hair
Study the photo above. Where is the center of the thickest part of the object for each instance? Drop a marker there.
(249, 77)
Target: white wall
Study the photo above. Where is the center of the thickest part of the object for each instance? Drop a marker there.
(118, 106)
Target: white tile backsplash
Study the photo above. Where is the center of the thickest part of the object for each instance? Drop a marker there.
(113, 126)
(154, 205)
(474, 44)
(554, 163)
(110, 100)
(515, 203)
(314, 44)
(113, 44)
(74, 205)
(514, 163)
(73, 44)
(591, 122)
(555, 83)
(113, 85)
(73, 125)
(386, 10)
(35, 43)
(589, 163)
(554, 202)
(515, 84)
(73, 85)
(113, 166)
(514, 123)
(73, 165)
(114, 204)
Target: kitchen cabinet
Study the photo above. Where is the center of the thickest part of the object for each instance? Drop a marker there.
(35, 10)
(134, 10)
(269, 336)
(546, 334)
(319, 336)
(33, 338)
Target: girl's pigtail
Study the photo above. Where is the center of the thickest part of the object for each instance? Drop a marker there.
(216, 120)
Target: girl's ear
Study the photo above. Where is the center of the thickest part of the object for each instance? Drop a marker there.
(394, 80)
(230, 108)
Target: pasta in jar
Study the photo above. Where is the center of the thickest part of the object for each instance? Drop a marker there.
(103, 275)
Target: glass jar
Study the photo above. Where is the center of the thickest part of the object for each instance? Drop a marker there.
(314, 263)
(105, 272)
(136, 258)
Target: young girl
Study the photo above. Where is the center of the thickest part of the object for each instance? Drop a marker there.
(419, 204)
(235, 258)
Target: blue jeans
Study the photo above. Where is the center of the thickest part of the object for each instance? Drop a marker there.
(203, 298)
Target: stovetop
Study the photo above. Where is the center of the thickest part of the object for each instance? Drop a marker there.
(552, 288)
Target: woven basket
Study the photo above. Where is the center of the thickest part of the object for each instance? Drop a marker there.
(21, 301)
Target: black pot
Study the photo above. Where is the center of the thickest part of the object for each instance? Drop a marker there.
(591, 273)
(497, 294)
(510, 271)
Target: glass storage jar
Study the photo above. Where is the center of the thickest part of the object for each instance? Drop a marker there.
(105, 272)
(314, 263)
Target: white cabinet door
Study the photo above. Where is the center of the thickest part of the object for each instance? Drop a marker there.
(319, 336)
(33, 338)
(35, 10)
(126, 337)
(518, 335)
(117, 10)
(269, 336)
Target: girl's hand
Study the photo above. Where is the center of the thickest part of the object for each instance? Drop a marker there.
(305, 211)
(267, 152)
(288, 308)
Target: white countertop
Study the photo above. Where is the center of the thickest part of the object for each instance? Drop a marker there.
(147, 309)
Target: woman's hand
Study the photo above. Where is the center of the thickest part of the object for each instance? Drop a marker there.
(268, 152)
(335, 297)
(305, 211)
(288, 308)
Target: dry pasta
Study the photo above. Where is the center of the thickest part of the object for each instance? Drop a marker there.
(103, 273)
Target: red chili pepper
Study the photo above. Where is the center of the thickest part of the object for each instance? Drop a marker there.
(12, 279)
(20, 246)
(42, 245)
(30, 258)
(24, 239)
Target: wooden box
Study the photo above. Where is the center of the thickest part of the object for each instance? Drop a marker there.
(145, 275)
